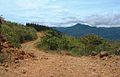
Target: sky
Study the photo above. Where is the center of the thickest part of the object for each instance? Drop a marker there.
(101, 13)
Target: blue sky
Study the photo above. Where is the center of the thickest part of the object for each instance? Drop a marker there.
(62, 12)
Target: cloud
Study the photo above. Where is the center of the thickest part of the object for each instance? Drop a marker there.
(58, 9)
(62, 12)
(105, 20)
(108, 20)
(30, 4)
(64, 22)
(30, 8)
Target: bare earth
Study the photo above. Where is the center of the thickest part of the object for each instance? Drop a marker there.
(55, 65)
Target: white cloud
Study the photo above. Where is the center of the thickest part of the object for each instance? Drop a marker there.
(30, 4)
(61, 12)
(108, 20)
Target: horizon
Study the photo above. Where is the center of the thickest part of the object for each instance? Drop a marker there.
(56, 13)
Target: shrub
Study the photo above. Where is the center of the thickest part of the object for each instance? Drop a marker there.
(115, 47)
(26, 33)
(58, 41)
(17, 33)
(85, 45)
(53, 41)
(95, 43)
(11, 35)
(1, 57)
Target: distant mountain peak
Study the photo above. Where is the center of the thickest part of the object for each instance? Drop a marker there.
(83, 29)
(80, 25)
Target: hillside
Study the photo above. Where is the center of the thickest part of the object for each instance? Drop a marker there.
(17, 33)
(78, 30)
(63, 56)
(57, 65)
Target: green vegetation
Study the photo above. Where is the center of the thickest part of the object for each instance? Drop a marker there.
(115, 47)
(54, 41)
(38, 27)
(57, 41)
(95, 44)
(85, 45)
(1, 57)
(112, 33)
(17, 33)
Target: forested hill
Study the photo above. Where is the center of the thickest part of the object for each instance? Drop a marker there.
(112, 33)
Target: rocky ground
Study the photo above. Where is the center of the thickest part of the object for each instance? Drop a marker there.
(56, 65)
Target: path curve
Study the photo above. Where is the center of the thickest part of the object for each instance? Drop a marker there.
(54, 65)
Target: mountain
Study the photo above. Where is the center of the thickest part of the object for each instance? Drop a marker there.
(112, 33)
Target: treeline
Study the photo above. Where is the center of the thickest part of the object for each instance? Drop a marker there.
(38, 27)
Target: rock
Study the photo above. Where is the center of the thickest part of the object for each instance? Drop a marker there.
(16, 58)
(5, 65)
(16, 61)
(118, 51)
(24, 71)
(5, 45)
(103, 54)
(6, 69)
(20, 57)
(22, 53)
(31, 55)
(68, 53)
(10, 54)
(93, 53)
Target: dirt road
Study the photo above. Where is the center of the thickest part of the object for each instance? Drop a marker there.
(55, 65)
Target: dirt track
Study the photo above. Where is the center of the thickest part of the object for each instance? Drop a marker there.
(54, 65)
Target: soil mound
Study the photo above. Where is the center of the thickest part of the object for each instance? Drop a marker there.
(10, 54)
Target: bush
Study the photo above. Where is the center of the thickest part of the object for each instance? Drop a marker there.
(95, 43)
(17, 33)
(26, 33)
(53, 41)
(1, 57)
(58, 41)
(11, 35)
(85, 45)
(115, 47)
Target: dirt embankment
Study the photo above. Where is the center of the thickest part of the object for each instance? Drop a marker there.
(54, 65)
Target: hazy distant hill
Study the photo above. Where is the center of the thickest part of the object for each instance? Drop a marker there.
(112, 33)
